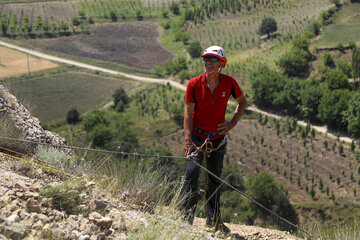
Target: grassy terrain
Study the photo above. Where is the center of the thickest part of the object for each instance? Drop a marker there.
(345, 28)
(51, 97)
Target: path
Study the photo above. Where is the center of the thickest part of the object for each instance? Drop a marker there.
(321, 129)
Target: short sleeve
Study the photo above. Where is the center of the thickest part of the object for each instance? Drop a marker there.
(189, 96)
(235, 89)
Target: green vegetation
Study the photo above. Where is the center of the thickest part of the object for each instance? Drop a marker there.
(52, 96)
(268, 25)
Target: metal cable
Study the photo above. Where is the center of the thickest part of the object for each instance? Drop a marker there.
(172, 157)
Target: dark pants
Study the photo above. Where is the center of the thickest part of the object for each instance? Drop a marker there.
(189, 191)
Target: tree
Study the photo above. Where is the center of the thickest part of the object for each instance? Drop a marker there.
(310, 100)
(266, 84)
(181, 36)
(3, 24)
(301, 43)
(94, 118)
(73, 116)
(356, 64)
(121, 99)
(63, 26)
(263, 189)
(100, 135)
(75, 21)
(352, 116)
(195, 49)
(332, 106)
(336, 79)
(268, 25)
(289, 97)
(113, 16)
(328, 60)
(294, 63)
(175, 8)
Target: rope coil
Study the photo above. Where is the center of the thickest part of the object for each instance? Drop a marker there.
(170, 157)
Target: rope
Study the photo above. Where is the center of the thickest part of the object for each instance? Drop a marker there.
(161, 156)
(39, 165)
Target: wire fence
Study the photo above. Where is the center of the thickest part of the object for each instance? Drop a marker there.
(135, 154)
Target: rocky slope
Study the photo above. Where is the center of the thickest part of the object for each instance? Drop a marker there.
(24, 214)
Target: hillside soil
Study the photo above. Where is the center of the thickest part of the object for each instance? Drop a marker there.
(13, 63)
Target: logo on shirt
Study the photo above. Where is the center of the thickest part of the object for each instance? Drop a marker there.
(223, 94)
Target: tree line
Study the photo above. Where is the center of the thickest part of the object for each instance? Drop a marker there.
(330, 99)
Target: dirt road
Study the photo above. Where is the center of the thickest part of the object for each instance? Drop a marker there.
(321, 129)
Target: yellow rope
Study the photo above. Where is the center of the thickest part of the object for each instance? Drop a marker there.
(39, 165)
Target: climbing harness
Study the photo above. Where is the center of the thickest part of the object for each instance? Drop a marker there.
(206, 149)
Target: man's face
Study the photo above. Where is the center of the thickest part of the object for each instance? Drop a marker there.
(211, 64)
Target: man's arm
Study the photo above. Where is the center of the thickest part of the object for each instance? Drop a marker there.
(239, 111)
(188, 125)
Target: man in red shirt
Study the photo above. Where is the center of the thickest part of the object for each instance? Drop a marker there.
(206, 100)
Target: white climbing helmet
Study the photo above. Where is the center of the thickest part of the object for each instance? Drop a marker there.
(216, 51)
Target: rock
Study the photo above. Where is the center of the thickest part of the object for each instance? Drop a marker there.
(104, 222)
(2, 217)
(12, 219)
(46, 202)
(33, 206)
(13, 232)
(98, 205)
(84, 237)
(95, 215)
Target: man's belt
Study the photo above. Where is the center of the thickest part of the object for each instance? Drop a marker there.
(198, 130)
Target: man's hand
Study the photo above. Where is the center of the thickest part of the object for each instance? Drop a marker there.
(225, 127)
(189, 145)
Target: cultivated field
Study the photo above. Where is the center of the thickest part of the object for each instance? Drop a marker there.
(52, 96)
(238, 31)
(133, 44)
(13, 63)
(256, 148)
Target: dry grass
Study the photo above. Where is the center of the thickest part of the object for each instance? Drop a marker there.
(13, 63)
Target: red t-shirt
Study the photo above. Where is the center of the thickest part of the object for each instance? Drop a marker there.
(210, 108)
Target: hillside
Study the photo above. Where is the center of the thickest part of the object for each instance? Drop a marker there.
(320, 174)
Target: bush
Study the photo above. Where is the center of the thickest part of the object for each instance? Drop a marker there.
(352, 116)
(332, 106)
(336, 79)
(345, 68)
(263, 189)
(175, 66)
(310, 101)
(294, 63)
(73, 116)
(301, 43)
(183, 75)
(92, 119)
(328, 60)
(181, 36)
(175, 8)
(266, 84)
(121, 99)
(340, 46)
(195, 49)
(100, 135)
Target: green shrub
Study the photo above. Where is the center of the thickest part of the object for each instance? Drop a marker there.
(328, 60)
(195, 49)
(73, 116)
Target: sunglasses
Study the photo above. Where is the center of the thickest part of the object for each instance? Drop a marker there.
(212, 59)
